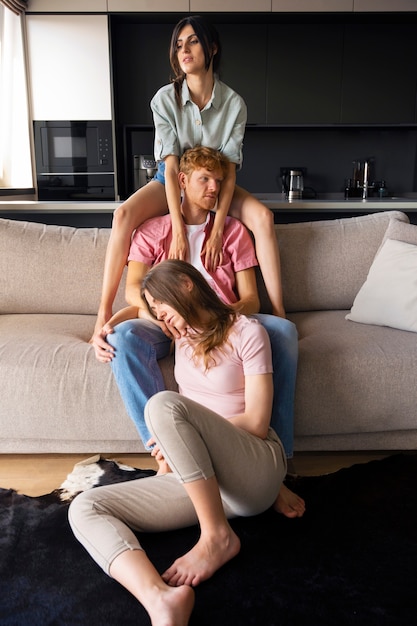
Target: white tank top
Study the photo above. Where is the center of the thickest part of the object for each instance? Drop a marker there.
(195, 237)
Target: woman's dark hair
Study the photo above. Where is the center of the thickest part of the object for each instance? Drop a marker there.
(210, 41)
(167, 282)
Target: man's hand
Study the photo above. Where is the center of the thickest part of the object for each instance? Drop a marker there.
(103, 350)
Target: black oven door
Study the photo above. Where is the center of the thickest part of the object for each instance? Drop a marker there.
(76, 187)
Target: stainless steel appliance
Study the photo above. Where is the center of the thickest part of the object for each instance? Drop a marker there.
(74, 160)
(293, 182)
(144, 169)
(362, 185)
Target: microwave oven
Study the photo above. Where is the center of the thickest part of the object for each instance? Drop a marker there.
(74, 160)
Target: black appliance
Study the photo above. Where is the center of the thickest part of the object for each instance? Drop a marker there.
(74, 160)
(144, 169)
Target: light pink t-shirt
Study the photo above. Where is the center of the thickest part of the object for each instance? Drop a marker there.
(222, 387)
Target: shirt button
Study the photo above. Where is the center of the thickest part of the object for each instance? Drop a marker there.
(198, 122)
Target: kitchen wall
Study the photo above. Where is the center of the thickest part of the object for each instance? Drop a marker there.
(321, 91)
(327, 153)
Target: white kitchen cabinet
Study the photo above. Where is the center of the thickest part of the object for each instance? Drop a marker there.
(302, 6)
(152, 6)
(69, 67)
(219, 6)
(67, 6)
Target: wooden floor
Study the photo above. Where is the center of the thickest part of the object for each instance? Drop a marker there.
(39, 474)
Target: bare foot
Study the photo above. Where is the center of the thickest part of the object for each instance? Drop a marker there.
(205, 558)
(288, 503)
(173, 607)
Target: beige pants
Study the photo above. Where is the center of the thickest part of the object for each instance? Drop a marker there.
(198, 444)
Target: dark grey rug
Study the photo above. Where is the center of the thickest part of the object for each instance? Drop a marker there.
(351, 561)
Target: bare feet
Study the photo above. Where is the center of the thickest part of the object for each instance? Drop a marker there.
(289, 504)
(205, 558)
(173, 607)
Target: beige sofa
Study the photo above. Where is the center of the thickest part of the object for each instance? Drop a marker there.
(356, 382)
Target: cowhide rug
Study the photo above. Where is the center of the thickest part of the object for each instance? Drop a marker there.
(351, 561)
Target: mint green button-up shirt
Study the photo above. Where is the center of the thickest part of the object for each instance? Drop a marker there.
(220, 125)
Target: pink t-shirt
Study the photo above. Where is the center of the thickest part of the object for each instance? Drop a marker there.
(222, 387)
(151, 242)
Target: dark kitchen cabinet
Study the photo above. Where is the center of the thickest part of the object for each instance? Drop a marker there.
(244, 63)
(140, 67)
(287, 73)
(306, 82)
(379, 74)
(304, 73)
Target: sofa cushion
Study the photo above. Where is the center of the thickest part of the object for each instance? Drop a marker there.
(325, 263)
(401, 231)
(353, 378)
(57, 396)
(388, 297)
(51, 269)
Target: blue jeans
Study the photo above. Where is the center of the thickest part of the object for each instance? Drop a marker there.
(140, 343)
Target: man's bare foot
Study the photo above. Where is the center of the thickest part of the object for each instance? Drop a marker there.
(173, 607)
(205, 558)
(288, 503)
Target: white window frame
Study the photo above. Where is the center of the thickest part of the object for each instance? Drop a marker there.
(15, 136)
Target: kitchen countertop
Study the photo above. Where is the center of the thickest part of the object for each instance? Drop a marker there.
(332, 202)
(337, 203)
(33, 206)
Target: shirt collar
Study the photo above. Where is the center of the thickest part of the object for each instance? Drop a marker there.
(185, 93)
(215, 100)
(208, 224)
(203, 226)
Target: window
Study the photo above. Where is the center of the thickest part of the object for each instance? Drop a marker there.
(15, 154)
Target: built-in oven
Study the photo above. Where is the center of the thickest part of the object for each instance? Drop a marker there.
(74, 160)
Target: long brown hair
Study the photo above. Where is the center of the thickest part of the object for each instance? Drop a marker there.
(166, 282)
(210, 41)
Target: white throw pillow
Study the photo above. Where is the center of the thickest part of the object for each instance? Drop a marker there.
(389, 295)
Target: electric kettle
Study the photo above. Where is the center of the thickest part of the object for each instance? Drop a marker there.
(293, 184)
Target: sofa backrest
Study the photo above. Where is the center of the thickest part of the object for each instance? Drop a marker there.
(59, 269)
(325, 263)
(52, 269)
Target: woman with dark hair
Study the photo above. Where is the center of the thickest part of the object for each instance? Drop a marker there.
(195, 109)
(215, 437)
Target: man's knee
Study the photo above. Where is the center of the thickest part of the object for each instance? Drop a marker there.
(279, 328)
(122, 334)
(160, 408)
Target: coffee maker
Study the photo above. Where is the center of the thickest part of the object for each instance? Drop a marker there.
(144, 169)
